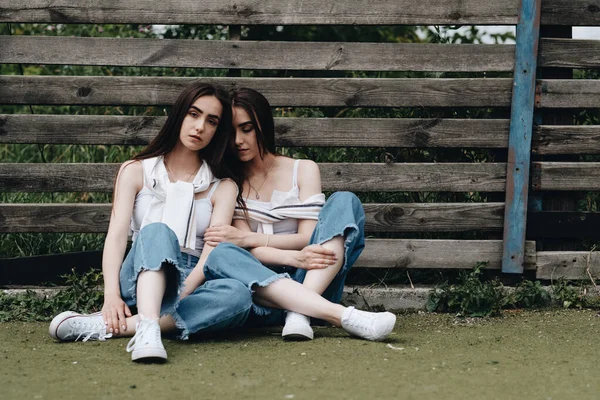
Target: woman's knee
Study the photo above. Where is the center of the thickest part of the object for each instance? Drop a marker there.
(346, 201)
(220, 259)
(238, 296)
(157, 230)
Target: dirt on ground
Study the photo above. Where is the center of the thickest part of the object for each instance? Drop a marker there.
(533, 355)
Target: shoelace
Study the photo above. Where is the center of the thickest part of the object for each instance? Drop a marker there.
(94, 331)
(140, 331)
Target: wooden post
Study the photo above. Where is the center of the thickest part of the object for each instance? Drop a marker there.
(519, 146)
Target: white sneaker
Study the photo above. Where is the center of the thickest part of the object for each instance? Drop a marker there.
(70, 326)
(368, 325)
(146, 344)
(297, 327)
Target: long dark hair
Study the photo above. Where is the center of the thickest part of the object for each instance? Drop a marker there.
(222, 141)
(259, 110)
(220, 153)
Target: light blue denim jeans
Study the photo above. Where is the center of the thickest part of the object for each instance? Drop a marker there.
(214, 306)
(342, 215)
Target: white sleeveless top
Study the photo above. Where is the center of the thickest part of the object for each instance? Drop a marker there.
(203, 215)
(281, 214)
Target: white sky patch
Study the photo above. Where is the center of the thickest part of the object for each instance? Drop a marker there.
(579, 32)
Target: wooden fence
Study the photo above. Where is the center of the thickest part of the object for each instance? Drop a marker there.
(564, 95)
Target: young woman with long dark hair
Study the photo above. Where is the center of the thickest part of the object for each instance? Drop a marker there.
(289, 227)
(167, 196)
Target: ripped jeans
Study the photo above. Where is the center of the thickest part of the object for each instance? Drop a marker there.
(342, 215)
(213, 306)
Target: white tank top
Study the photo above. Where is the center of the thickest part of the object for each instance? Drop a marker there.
(279, 198)
(203, 215)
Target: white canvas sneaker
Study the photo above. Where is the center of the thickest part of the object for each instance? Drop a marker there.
(368, 325)
(70, 326)
(146, 344)
(297, 327)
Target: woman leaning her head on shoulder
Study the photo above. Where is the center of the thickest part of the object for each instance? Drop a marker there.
(290, 227)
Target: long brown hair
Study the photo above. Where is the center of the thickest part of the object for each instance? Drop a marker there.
(219, 154)
(258, 108)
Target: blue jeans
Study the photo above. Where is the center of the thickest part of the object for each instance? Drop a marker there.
(342, 215)
(213, 306)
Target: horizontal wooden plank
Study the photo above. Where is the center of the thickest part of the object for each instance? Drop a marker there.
(565, 176)
(411, 177)
(571, 12)
(307, 92)
(569, 53)
(289, 132)
(43, 218)
(567, 264)
(566, 139)
(256, 54)
(290, 55)
(422, 253)
(269, 12)
(570, 93)
(563, 225)
(398, 217)
(378, 253)
(434, 217)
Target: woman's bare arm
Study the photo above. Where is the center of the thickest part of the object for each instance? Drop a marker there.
(223, 200)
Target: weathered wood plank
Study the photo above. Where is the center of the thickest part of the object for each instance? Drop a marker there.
(565, 176)
(567, 264)
(571, 12)
(308, 92)
(566, 139)
(289, 55)
(412, 177)
(269, 12)
(570, 93)
(422, 253)
(569, 53)
(256, 54)
(68, 218)
(248, 12)
(397, 217)
(378, 253)
(289, 132)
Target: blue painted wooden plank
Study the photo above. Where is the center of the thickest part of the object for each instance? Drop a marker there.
(519, 143)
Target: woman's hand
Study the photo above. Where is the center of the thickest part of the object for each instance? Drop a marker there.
(315, 256)
(114, 312)
(225, 233)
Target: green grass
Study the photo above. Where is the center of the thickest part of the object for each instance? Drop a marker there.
(537, 355)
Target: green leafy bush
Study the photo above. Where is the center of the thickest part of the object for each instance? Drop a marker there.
(470, 296)
(81, 294)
